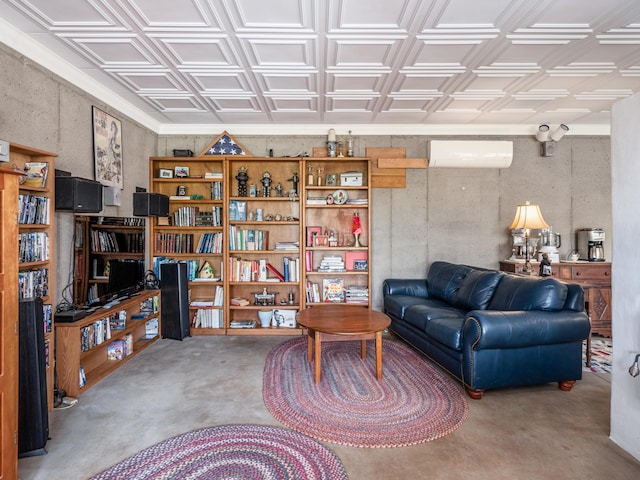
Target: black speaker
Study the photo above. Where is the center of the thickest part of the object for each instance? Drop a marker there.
(33, 416)
(174, 297)
(150, 204)
(80, 195)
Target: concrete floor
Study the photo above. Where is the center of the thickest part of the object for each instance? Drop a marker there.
(173, 387)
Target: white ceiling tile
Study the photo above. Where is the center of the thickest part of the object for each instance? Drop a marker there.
(340, 61)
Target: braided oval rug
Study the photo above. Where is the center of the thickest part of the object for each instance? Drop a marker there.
(413, 403)
(239, 452)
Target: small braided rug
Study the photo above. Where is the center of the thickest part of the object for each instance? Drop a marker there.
(239, 452)
(413, 403)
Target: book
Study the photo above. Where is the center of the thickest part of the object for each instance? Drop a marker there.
(275, 271)
(243, 324)
(333, 290)
(239, 301)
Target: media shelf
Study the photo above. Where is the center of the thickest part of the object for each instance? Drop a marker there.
(83, 347)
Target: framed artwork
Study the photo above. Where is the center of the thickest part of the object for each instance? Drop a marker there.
(165, 173)
(107, 149)
(182, 172)
(332, 179)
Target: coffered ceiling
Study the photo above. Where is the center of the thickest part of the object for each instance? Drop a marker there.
(178, 64)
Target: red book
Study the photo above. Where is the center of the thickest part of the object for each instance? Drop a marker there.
(273, 270)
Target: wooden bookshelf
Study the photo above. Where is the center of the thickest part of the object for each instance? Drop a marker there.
(76, 354)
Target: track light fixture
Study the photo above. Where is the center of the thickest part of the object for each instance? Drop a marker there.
(548, 139)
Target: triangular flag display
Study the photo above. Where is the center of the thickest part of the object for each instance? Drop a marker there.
(225, 144)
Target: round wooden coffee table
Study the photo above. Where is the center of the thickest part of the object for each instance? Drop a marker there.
(343, 323)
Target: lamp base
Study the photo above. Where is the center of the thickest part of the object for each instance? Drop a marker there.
(528, 268)
(356, 243)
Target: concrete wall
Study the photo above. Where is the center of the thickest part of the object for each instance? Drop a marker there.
(462, 215)
(625, 170)
(43, 111)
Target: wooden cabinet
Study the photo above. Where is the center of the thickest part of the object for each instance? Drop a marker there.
(93, 347)
(595, 278)
(261, 253)
(333, 257)
(36, 274)
(8, 324)
(194, 232)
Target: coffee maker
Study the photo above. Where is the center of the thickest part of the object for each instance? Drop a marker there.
(591, 244)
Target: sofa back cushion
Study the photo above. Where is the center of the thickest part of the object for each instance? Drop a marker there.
(444, 279)
(476, 289)
(528, 293)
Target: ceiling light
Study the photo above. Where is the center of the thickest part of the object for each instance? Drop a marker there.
(559, 132)
(547, 140)
(543, 133)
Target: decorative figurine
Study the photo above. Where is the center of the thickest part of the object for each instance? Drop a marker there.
(266, 184)
(356, 229)
(545, 266)
(320, 170)
(295, 179)
(278, 190)
(242, 178)
(340, 150)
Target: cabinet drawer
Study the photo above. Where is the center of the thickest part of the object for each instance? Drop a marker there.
(589, 273)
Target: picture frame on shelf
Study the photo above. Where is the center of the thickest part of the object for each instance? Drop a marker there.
(107, 149)
(165, 173)
(181, 172)
(311, 233)
(332, 180)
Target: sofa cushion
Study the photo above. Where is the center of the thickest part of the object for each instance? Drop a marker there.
(396, 305)
(528, 293)
(444, 279)
(476, 289)
(447, 331)
(420, 315)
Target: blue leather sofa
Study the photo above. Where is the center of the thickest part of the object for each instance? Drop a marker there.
(491, 329)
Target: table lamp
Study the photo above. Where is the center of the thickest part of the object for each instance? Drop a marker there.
(356, 229)
(528, 217)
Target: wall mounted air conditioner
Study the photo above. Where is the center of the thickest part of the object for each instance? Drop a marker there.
(469, 154)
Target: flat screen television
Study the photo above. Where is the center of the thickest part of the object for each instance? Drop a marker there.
(125, 277)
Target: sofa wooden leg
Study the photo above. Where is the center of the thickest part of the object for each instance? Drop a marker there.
(475, 394)
(566, 385)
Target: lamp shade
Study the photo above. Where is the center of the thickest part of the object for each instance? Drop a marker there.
(528, 217)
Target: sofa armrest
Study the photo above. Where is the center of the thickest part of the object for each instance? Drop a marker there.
(493, 329)
(410, 286)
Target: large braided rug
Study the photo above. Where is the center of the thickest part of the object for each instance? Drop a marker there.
(239, 452)
(413, 403)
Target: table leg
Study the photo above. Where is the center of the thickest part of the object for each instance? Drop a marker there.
(310, 346)
(379, 355)
(363, 349)
(318, 343)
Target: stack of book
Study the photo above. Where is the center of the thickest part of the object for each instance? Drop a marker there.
(357, 294)
(331, 263)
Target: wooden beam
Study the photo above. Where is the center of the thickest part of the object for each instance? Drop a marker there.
(402, 163)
